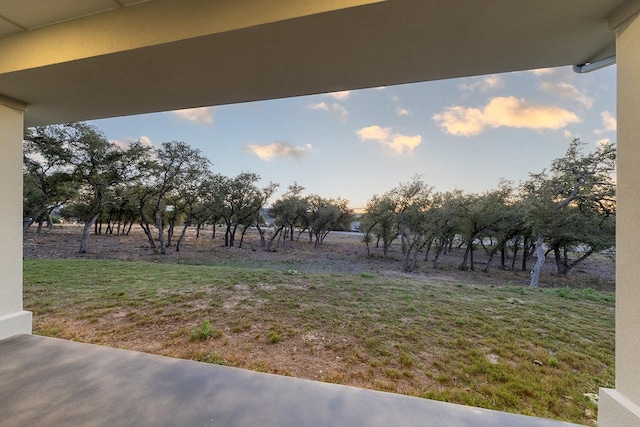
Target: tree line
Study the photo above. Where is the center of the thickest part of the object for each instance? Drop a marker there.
(568, 211)
(73, 169)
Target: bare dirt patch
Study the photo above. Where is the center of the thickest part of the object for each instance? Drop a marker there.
(342, 252)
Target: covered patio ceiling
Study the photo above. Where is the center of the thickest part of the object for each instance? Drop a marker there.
(107, 58)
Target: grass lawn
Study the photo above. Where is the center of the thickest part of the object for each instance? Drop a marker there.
(537, 352)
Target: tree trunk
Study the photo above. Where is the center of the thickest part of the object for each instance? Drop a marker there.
(147, 231)
(515, 253)
(489, 261)
(261, 232)
(227, 235)
(170, 232)
(535, 273)
(244, 231)
(468, 251)
(276, 234)
(426, 254)
(232, 240)
(562, 263)
(525, 252)
(163, 248)
(406, 258)
(85, 233)
(184, 231)
(442, 247)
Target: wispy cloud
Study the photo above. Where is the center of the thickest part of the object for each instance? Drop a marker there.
(279, 149)
(200, 115)
(319, 106)
(335, 108)
(389, 139)
(567, 91)
(480, 84)
(126, 142)
(542, 71)
(402, 112)
(610, 123)
(341, 95)
(503, 112)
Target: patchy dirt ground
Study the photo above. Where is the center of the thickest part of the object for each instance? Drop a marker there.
(341, 252)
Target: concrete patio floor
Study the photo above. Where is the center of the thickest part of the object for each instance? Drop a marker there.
(52, 382)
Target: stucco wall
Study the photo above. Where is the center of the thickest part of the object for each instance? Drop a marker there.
(13, 319)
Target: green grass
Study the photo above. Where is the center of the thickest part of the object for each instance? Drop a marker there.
(534, 352)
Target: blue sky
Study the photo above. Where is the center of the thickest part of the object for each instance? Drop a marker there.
(460, 133)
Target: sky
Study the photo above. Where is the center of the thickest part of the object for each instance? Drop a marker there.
(465, 133)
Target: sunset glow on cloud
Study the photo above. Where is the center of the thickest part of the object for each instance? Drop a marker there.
(342, 95)
(335, 108)
(542, 71)
(480, 84)
(279, 149)
(503, 112)
(395, 142)
(201, 115)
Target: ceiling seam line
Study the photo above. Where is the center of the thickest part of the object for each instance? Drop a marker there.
(13, 23)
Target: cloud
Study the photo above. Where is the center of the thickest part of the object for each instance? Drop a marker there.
(341, 95)
(393, 141)
(335, 108)
(319, 106)
(503, 111)
(126, 142)
(481, 84)
(402, 112)
(542, 71)
(610, 123)
(566, 90)
(601, 143)
(201, 115)
(279, 149)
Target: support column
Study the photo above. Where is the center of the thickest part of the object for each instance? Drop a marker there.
(13, 319)
(621, 407)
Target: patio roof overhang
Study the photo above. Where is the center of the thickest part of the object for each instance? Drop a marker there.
(161, 54)
(68, 60)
